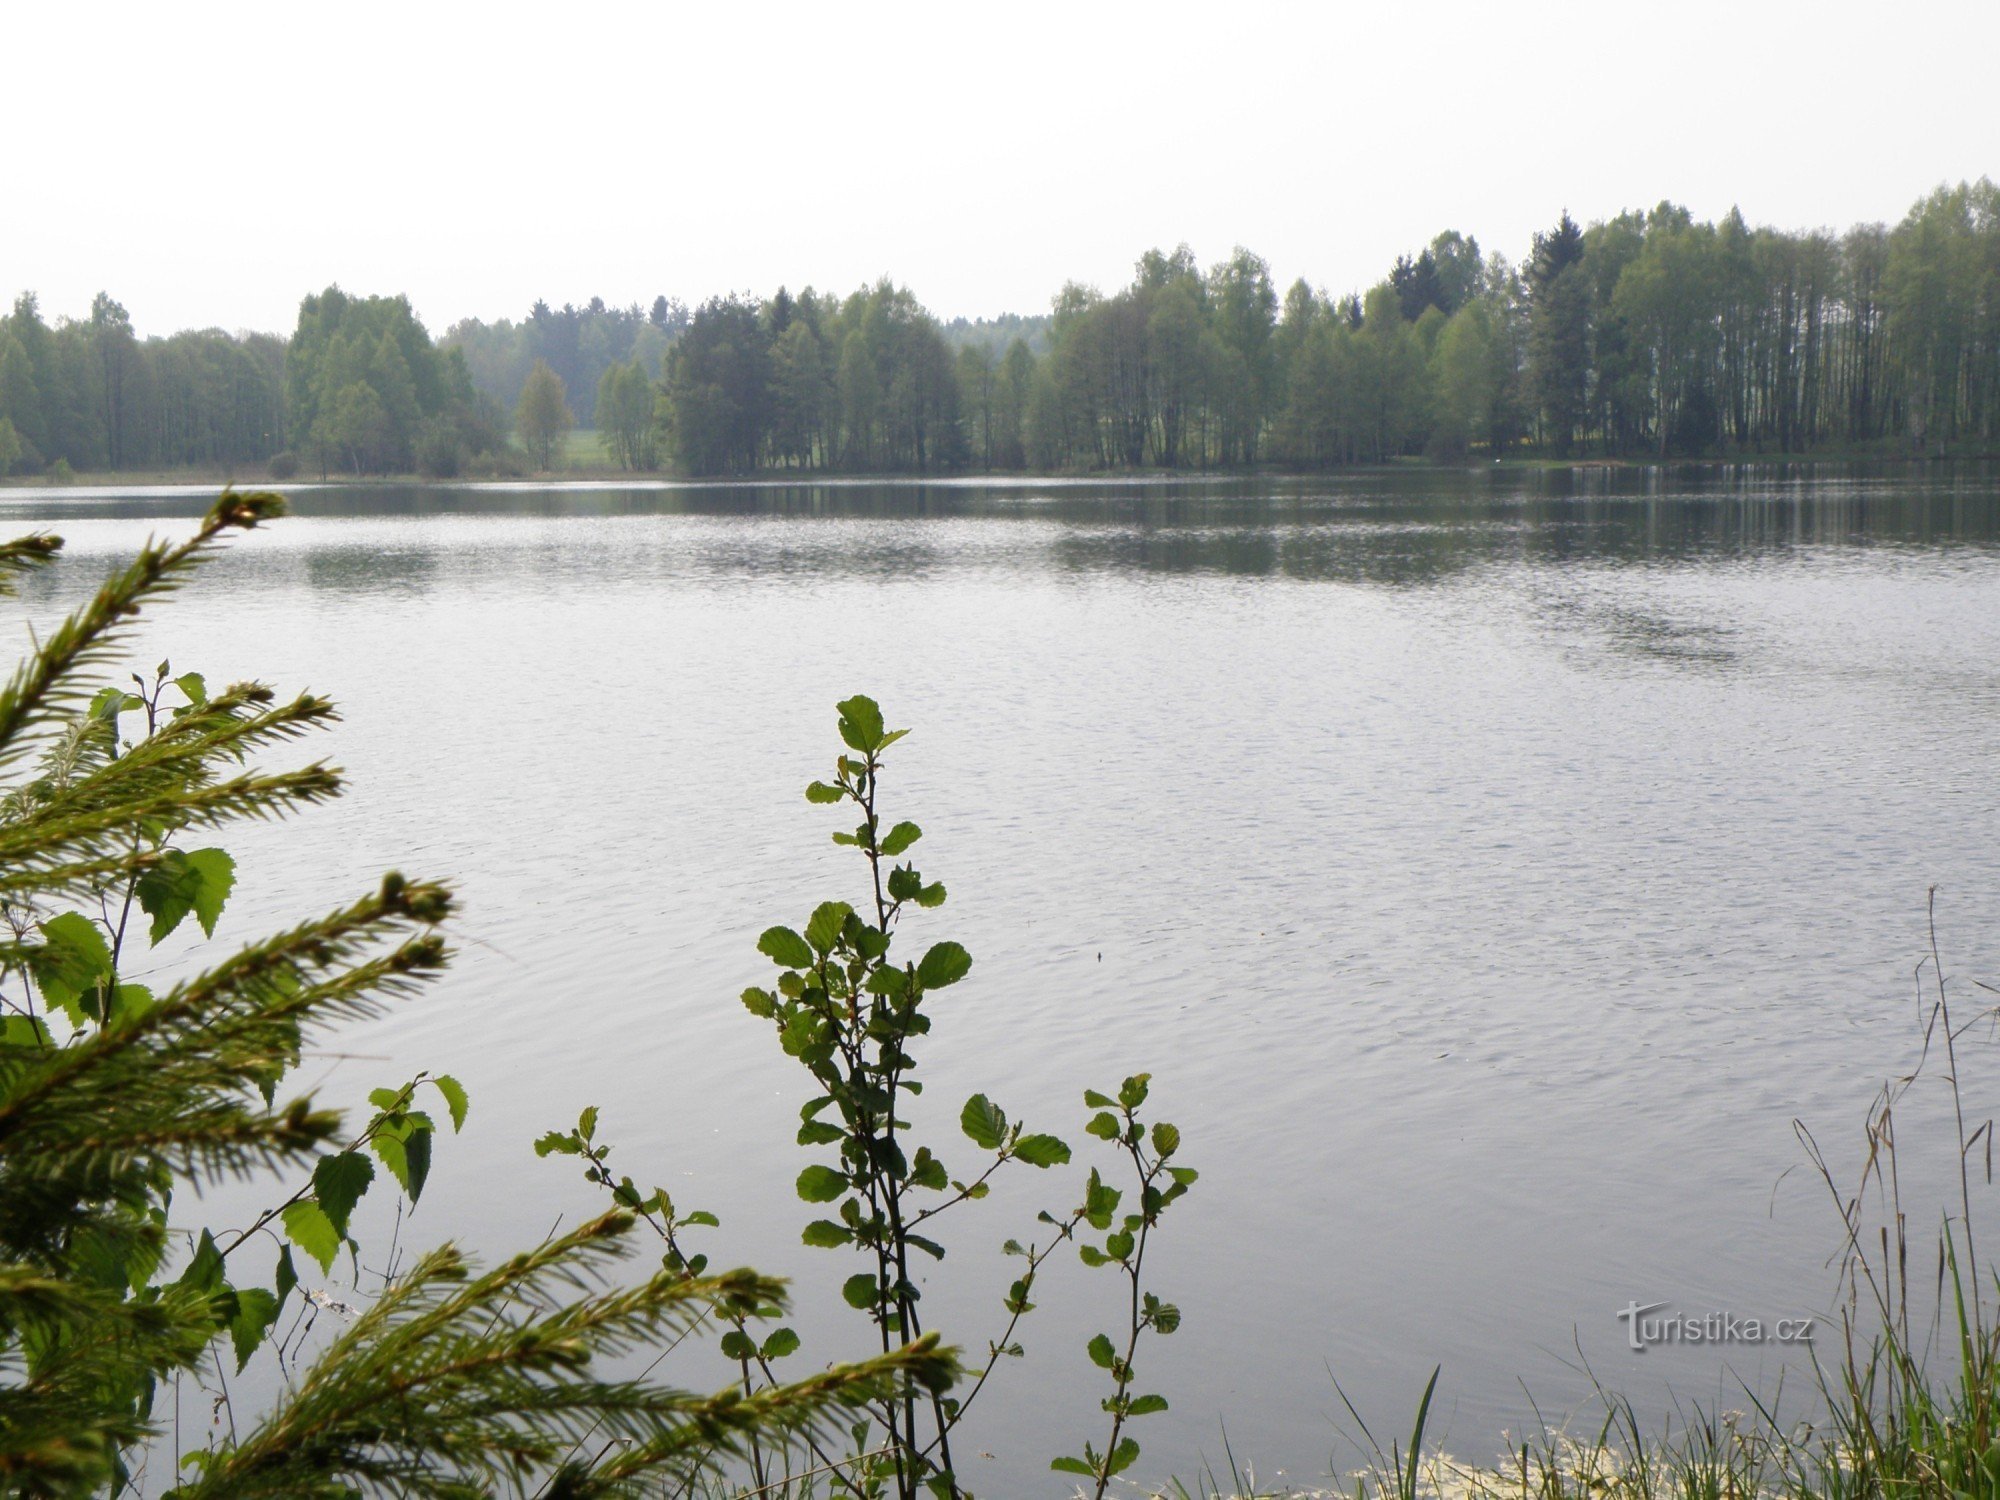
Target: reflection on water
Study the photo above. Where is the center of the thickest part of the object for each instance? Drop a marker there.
(1489, 867)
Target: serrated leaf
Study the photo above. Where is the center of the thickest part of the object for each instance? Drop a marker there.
(256, 1311)
(784, 946)
(1072, 1466)
(1166, 1140)
(861, 724)
(338, 1183)
(308, 1227)
(73, 962)
(1041, 1150)
(204, 1272)
(824, 1234)
(823, 931)
(760, 1003)
(406, 1151)
(782, 1341)
(900, 838)
(945, 963)
(818, 1184)
(983, 1122)
(1103, 1125)
(1166, 1318)
(562, 1142)
(859, 1290)
(455, 1099)
(1123, 1456)
(1145, 1406)
(217, 872)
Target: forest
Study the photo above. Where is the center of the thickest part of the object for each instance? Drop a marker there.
(1648, 335)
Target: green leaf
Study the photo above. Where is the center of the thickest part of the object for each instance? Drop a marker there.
(194, 687)
(782, 1341)
(1123, 1456)
(1145, 1406)
(288, 1276)
(946, 963)
(824, 1234)
(819, 1184)
(1132, 1093)
(1041, 1150)
(822, 793)
(931, 896)
(736, 1345)
(819, 1133)
(859, 1290)
(760, 1003)
(904, 883)
(928, 1172)
(1072, 1466)
(166, 893)
(216, 878)
(1101, 1353)
(900, 838)
(1166, 1318)
(861, 724)
(25, 1031)
(983, 1121)
(72, 962)
(562, 1142)
(204, 1272)
(1103, 1125)
(823, 931)
(256, 1311)
(1119, 1246)
(308, 1227)
(455, 1099)
(1096, 1100)
(406, 1151)
(1166, 1140)
(784, 946)
(338, 1183)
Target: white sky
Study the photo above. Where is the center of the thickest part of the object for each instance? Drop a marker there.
(208, 163)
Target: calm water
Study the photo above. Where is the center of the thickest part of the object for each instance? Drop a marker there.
(1488, 870)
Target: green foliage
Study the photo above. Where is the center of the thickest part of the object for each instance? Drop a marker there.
(115, 1100)
(1157, 1182)
(542, 416)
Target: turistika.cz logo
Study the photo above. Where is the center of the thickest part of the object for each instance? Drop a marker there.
(1647, 1324)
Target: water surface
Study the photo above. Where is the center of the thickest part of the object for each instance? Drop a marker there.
(1488, 868)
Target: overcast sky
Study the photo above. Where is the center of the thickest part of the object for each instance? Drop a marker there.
(208, 164)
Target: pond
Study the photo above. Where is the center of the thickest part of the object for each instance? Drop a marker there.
(1489, 868)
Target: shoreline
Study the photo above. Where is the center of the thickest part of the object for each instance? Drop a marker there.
(659, 478)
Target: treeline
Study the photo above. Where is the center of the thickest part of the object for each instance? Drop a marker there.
(578, 343)
(90, 394)
(1650, 334)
